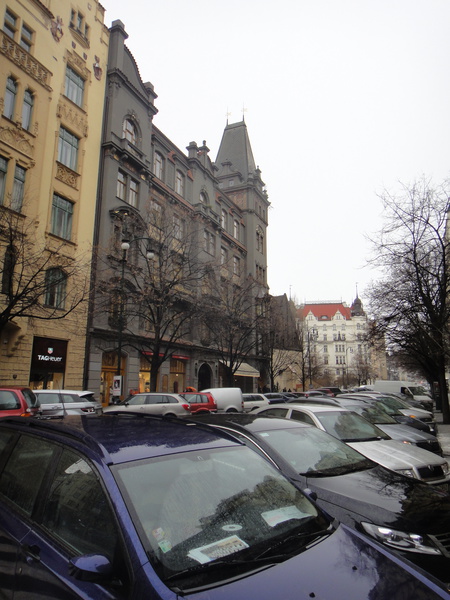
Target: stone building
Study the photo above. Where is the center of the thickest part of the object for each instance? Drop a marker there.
(335, 336)
(155, 203)
(52, 75)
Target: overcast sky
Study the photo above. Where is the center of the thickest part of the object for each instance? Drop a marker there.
(342, 99)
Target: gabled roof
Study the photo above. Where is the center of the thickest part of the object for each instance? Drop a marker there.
(324, 312)
(236, 150)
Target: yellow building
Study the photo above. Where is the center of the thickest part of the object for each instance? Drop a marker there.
(53, 56)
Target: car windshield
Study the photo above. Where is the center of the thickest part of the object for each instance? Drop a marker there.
(350, 427)
(314, 453)
(393, 403)
(373, 414)
(226, 505)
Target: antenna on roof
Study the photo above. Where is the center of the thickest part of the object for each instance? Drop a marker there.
(356, 289)
(227, 114)
(244, 110)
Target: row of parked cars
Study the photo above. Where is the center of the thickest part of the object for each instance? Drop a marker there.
(290, 499)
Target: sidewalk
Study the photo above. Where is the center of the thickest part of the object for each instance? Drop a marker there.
(443, 433)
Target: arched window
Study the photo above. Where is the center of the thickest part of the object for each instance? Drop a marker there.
(129, 131)
(55, 288)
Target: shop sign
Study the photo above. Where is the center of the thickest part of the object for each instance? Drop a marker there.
(49, 354)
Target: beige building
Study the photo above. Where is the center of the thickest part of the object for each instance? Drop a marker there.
(53, 56)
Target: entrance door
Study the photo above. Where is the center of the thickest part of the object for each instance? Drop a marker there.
(204, 377)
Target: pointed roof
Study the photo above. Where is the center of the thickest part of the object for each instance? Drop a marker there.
(235, 152)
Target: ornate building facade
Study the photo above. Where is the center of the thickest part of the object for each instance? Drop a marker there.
(52, 73)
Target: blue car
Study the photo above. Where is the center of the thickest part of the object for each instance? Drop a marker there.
(124, 506)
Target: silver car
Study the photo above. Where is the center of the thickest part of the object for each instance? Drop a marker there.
(154, 403)
(253, 401)
(59, 403)
(369, 440)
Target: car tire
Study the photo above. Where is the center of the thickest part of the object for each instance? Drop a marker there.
(231, 410)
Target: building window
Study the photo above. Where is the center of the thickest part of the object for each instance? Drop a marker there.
(127, 189)
(18, 188)
(210, 243)
(133, 193)
(129, 131)
(55, 288)
(27, 109)
(10, 24)
(236, 229)
(158, 166)
(74, 88)
(78, 22)
(203, 198)
(223, 219)
(179, 183)
(178, 227)
(10, 98)
(223, 256)
(9, 263)
(26, 38)
(62, 214)
(236, 266)
(68, 149)
(260, 241)
(3, 171)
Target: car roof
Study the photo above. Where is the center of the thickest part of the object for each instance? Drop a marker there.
(313, 407)
(250, 421)
(77, 392)
(120, 437)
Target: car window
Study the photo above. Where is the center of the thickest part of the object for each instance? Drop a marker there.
(275, 412)
(24, 471)
(5, 437)
(8, 400)
(155, 399)
(350, 426)
(77, 510)
(30, 398)
(49, 398)
(68, 398)
(301, 416)
(136, 400)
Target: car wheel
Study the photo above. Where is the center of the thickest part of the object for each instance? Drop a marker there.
(170, 415)
(233, 410)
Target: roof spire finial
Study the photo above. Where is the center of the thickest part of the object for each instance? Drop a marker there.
(227, 114)
(244, 110)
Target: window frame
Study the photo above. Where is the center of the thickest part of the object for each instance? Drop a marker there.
(61, 217)
(56, 290)
(18, 190)
(68, 150)
(74, 86)
(27, 109)
(158, 165)
(179, 183)
(10, 99)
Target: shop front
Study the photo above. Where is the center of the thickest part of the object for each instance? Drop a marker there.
(48, 363)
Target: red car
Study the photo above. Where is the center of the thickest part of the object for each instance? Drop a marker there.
(18, 402)
(200, 402)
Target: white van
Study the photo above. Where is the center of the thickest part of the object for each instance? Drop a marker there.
(411, 389)
(228, 399)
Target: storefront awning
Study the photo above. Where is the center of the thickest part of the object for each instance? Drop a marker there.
(245, 370)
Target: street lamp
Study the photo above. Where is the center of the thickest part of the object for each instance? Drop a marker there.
(312, 335)
(125, 246)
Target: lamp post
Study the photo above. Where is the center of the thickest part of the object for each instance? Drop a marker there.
(312, 335)
(125, 246)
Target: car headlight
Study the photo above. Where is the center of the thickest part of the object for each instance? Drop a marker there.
(400, 540)
(445, 468)
(407, 472)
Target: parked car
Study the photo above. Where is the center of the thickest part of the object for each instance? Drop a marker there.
(228, 399)
(276, 397)
(406, 515)
(312, 394)
(369, 440)
(137, 506)
(18, 401)
(199, 402)
(398, 407)
(153, 403)
(396, 431)
(59, 403)
(331, 391)
(252, 401)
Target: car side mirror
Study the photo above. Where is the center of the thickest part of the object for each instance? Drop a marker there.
(310, 494)
(94, 568)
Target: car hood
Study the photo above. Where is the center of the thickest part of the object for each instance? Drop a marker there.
(396, 455)
(382, 497)
(356, 569)
(404, 432)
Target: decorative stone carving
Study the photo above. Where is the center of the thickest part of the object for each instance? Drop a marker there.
(25, 61)
(71, 114)
(14, 137)
(66, 175)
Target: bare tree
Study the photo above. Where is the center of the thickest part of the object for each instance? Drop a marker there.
(281, 341)
(39, 279)
(410, 302)
(233, 316)
(152, 303)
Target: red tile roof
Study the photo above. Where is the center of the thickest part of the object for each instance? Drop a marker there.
(324, 312)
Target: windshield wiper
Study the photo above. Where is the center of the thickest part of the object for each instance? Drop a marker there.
(342, 470)
(296, 536)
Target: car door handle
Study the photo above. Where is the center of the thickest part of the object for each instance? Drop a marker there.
(33, 552)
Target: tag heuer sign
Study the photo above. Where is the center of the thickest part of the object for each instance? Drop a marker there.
(49, 356)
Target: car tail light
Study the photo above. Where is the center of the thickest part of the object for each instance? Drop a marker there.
(88, 410)
(27, 413)
(186, 407)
